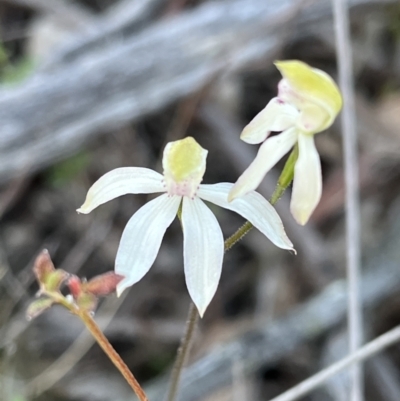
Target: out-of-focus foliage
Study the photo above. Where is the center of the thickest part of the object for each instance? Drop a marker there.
(65, 171)
(14, 72)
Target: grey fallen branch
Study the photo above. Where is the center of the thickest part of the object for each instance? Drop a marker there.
(377, 345)
(119, 23)
(54, 113)
(267, 344)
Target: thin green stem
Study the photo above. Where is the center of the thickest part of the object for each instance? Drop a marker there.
(183, 351)
(286, 176)
(238, 235)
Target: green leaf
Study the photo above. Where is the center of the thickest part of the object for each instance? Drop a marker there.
(37, 307)
(54, 280)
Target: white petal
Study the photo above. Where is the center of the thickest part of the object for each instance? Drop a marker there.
(122, 181)
(270, 152)
(253, 207)
(276, 116)
(203, 251)
(307, 182)
(142, 238)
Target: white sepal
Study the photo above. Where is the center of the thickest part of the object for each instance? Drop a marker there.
(276, 116)
(307, 182)
(141, 239)
(203, 251)
(270, 152)
(122, 181)
(253, 207)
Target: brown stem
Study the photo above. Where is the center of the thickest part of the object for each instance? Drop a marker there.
(183, 351)
(101, 339)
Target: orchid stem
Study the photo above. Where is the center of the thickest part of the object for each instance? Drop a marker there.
(186, 342)
(238, 235)
(183, 351)
(103, 342)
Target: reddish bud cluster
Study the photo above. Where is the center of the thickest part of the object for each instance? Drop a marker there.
(84, 293)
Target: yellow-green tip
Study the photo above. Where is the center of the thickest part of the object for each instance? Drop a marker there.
(184, 159)
(312, 83)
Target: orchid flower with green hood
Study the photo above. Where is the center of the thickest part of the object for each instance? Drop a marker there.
(184, 164)
(308, 102)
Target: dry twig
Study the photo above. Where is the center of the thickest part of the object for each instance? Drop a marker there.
(350, 144)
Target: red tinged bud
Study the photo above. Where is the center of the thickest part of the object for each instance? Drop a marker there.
(86, 293)
(103, 285)
(43, 266)
(49, 278)
(74, 285)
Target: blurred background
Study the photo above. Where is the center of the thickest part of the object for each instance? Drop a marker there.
(91, 85)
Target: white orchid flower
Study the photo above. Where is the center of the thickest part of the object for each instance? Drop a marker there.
(184, 164)
(308, 101)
